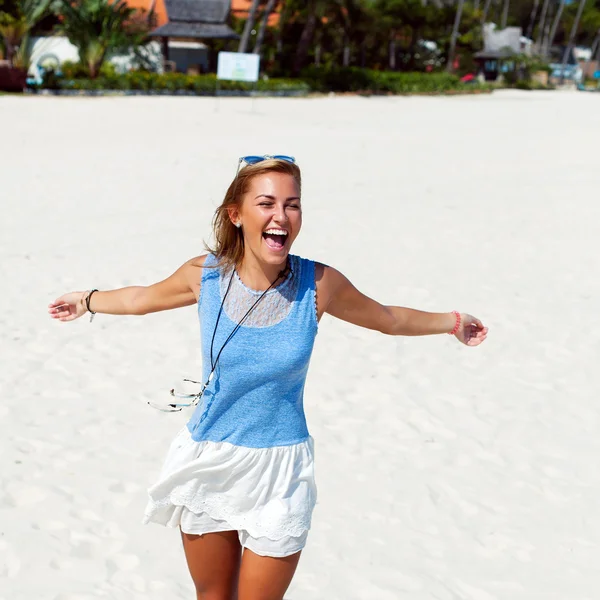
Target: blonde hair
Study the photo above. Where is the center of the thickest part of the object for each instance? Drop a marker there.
(229, 239)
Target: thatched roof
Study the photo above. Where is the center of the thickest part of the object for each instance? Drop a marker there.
(197, 19)
(203, 11)
(196, 31)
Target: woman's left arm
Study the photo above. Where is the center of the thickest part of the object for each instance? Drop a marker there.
(338, 297)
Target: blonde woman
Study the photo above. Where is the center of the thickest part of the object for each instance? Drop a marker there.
(238, 480)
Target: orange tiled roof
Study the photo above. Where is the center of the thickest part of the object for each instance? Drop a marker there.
(238, 7)
(159, 9)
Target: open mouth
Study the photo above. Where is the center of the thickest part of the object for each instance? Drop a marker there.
(275, 238)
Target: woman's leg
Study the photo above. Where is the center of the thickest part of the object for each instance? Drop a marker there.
(265, 578)
(214, 563)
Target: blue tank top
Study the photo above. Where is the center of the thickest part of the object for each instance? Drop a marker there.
(255, 398)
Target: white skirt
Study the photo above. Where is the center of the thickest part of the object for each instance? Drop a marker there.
(264, 492)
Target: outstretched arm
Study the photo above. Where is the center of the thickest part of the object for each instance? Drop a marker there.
(338, 297)
(180, 289)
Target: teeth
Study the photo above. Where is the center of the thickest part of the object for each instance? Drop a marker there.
(276, 231)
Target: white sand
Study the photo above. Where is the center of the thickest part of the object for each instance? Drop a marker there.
(444, 472)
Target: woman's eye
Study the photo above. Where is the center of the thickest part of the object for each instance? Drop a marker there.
(294, 206)
(266, 204)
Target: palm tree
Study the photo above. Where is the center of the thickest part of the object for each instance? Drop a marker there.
(248, 26)
(15, 29)
(314, 7)
(596, 48)
(532, 17)
(554, 27)
(263, 25)
(12, 30)
(454, 36)
(571, 43)
(541, 28)
(99, 27)
(504, 20)
(486, 9)
(284, 16)
(150, 16)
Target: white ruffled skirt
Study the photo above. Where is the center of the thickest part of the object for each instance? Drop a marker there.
(266, 494)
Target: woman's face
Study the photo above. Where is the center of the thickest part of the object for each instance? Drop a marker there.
(271, 216)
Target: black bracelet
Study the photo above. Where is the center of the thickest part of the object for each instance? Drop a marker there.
(87, 305)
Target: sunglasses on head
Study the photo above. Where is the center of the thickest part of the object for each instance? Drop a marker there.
(252, 160)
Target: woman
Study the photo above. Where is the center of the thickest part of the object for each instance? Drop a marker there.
(240, 474)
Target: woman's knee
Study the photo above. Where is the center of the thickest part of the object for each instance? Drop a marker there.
(264, 577)
(214, 562)
(216, 595)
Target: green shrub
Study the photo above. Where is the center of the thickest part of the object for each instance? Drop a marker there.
(73, 70)
(73, 78)
(531, 85)
(336, 79)
(354, 79)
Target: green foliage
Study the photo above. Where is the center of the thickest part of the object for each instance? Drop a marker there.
(532, 64)
(531, 85)
(73, 70)
(336, 79)
(16, 23)
(353, 79)
(98, 28)
(145, 81)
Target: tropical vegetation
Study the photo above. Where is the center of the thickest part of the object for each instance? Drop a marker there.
(408, 35)
(100, 27)
(385, 46)
(17, 21)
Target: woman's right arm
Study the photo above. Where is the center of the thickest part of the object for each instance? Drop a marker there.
(182, 288)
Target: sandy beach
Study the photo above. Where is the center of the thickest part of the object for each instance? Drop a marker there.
(444, 472)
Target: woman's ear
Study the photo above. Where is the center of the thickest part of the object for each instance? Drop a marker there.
(234, 214)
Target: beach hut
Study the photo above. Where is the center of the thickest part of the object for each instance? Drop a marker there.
(189, 22)
(500, 47)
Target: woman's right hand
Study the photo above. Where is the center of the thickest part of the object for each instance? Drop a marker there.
(68, 307)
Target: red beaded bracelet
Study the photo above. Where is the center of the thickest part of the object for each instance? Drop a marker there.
(458, 321)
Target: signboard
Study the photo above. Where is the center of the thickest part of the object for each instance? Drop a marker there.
(596, 74)
(237, 66)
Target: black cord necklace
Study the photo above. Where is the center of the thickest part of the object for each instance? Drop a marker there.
(213, 365)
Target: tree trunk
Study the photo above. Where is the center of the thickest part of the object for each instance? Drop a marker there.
(263, 26)
(596, 48)
(248, 26)
(346, 54)
(454, 36)
(283, 17)
(554, 27)
(392, 51)
(306, 37)
(532, 17)
(415, 36)
(486, 10)
(546, 36)
(572, 37)
(151, 10)
(540, 33)
(505, 14)
(10, 51)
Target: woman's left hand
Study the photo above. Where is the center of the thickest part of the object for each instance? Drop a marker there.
(471, 331)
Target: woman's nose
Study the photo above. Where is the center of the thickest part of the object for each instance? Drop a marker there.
(280, 214)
